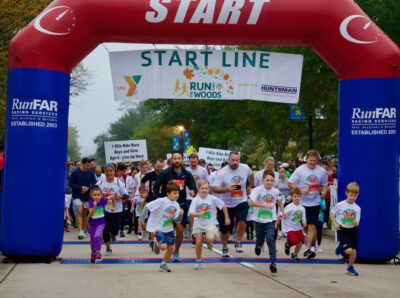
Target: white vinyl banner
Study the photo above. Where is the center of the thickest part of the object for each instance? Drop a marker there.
(131, 150)
(214, 156)
(206, 74)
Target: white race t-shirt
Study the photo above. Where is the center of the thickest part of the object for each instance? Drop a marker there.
(265, 196)
(209, 205)
(346, 213)
(108, 189)
(258, 178)
(199, 174)
(295, 214)
(227, 177)
(163, 211)
(101, 177)
(136, 183)
(130, 184)
(139, 204)
(304, 177)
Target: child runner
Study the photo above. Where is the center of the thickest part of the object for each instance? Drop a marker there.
(138, 204)
(164, 212)
(96, 221)
(204, 211)
(345, 216)
(266, 197)
(293, 224)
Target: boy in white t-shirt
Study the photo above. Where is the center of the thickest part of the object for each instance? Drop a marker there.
(137, 208)
(293, 224)
(203, 210)
(346, 216)
(265, 197)
(164, 212)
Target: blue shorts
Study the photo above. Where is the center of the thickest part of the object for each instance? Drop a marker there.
(165, 238)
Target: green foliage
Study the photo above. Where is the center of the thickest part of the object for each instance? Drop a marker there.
(73, 146)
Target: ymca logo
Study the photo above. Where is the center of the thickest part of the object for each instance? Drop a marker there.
(132, 81)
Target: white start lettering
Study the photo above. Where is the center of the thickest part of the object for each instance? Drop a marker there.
(204, 12)
(35, 104)
(378, 113)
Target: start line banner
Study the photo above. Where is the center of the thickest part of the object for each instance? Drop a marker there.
(206, 74)
(131, 150)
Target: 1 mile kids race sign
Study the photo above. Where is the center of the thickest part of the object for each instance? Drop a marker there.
(206, 74)
(131, 150)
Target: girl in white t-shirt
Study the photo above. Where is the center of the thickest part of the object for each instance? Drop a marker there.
(204, 211)
(137, 208)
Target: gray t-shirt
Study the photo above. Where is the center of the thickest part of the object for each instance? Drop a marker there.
(284, 189)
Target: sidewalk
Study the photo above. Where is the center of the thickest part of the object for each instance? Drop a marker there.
(132, 270)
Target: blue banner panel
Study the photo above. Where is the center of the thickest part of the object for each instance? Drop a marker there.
(186, 141)
(297, 112)
(369, 155)
(176, 143)
(32, 210)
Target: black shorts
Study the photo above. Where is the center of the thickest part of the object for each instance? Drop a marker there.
(312, 214)
(240, 212)
(348, 238)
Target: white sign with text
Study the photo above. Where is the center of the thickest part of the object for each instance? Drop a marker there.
(214, 156)
(131, 150)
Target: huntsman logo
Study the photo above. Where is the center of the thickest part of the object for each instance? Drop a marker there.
(378, 113)
(35, 104)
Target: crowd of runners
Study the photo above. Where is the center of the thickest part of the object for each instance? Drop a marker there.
(169, 200)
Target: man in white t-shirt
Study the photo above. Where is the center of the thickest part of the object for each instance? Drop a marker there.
(231, 183)
(313, 183)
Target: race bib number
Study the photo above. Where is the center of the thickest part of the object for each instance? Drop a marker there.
(181, 183)
(206, 215)
(313, 187)
(168, 223)
(98, 212)
(265, 214)
(109, 204)
(237, 194)
(348, 222)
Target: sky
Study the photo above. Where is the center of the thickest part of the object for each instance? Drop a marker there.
(92, 111)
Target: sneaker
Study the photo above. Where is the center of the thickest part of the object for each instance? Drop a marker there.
(85, 234)
(175, 256)
(225, 252)
(273, 268)
(121, 234)
(210, 246)
(92, 258)
(151, 245)
(164, 268)
(113, 239)
(108, 252)
(319, 249)
(263, 247)
(295, 258)
(248, 237)
(197, 265)
(287, 249)
(129, 231)
(140, 237)
(351, 271)
(338, 249)
(257, 250)
(238, 246)
(74, 225)
(309, 254)
(186, 234)
(252, 237)
(66, 229)
(98, 257)
(80, 235)
(155, 248)
(324, 226)
(312, 248)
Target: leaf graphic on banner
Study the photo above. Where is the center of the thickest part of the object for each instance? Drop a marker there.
(226, 77)
(210, 71)
(188, 73)
(218, 71)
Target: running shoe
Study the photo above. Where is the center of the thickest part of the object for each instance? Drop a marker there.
(129, 231)
(210, 246)
(295, 258)
(85, 234)
(248, 237)
(197, 265)
(319, 249)
(287, 249)
(155, 248)
(263, 247)
(238, 246)
(151, 244)
(98, 257)
(225, 252)
(121, 234)
(351, 271)
(80, 235)
(164, 268)
(257, 250)
(309, 254)
(92, 258)
(66, 230)
(273, 268)
(140, 237)
(113, 239)
(175, 256)
(108, 252)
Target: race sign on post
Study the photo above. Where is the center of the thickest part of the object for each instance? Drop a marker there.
(131, 150)
(214, 156)
(206, 74)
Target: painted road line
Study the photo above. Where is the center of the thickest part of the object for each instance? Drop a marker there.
(77, 242)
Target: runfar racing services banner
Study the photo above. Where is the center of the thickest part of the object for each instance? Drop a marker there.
(206, 74)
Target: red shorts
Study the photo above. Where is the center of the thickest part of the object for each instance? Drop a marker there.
(294, 237)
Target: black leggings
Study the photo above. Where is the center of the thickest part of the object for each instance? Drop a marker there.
(249, 227)
(111, 227)
(126, 216)
(319, 232)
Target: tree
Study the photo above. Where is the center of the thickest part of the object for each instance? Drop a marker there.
(73, 146)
